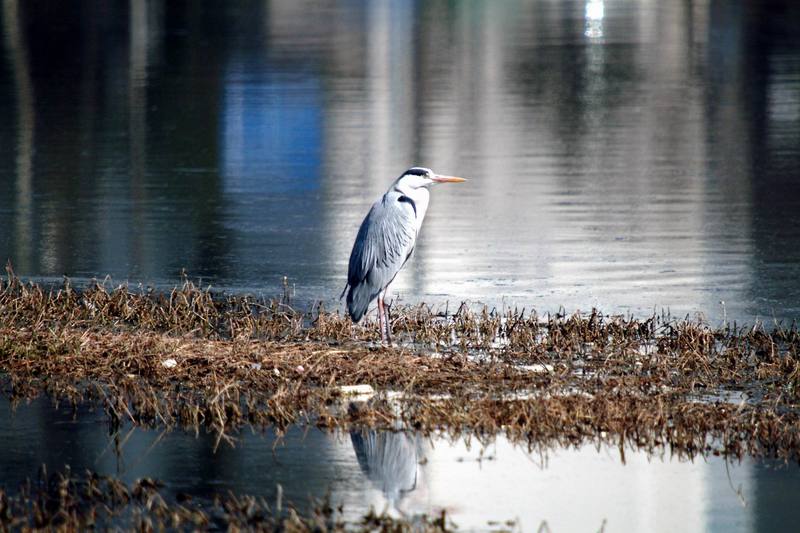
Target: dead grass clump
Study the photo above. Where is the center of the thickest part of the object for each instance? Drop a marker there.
(185, 309)
(66, 502)
(192, 358)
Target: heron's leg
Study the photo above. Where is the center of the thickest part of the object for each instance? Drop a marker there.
(381, 317)
(387, 319)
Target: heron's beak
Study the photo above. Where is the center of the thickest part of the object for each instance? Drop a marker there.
(447, 179)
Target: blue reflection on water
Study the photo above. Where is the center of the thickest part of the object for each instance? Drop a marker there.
(271, 134)
(653, 166)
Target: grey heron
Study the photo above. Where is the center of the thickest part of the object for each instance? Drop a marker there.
(385, 241)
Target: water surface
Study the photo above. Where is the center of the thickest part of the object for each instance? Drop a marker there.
(627, 155)
(576, 489)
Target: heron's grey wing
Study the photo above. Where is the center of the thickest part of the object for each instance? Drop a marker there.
(385, 239)
(384, 242)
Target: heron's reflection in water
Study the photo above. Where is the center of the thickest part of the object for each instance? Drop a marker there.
(391, 461)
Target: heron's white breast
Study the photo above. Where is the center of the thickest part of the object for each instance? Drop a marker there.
(421, 197)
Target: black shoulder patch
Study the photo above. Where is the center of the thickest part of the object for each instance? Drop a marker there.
(404, 198)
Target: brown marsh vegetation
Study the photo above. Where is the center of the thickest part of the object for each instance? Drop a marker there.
(192, 358)
(67, 502)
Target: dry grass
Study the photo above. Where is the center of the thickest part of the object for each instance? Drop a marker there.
(193, 358)
(65, 502)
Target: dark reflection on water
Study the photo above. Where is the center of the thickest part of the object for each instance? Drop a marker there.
(409, 475)
(626, 155)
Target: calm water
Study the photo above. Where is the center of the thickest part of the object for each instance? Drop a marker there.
(627, 155)
(571, 490)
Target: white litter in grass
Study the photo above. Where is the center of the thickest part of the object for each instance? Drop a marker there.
(357, 390)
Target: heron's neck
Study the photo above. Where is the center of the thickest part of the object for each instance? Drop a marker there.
(421, 196)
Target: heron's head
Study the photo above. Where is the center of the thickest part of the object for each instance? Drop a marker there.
(417, 177)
